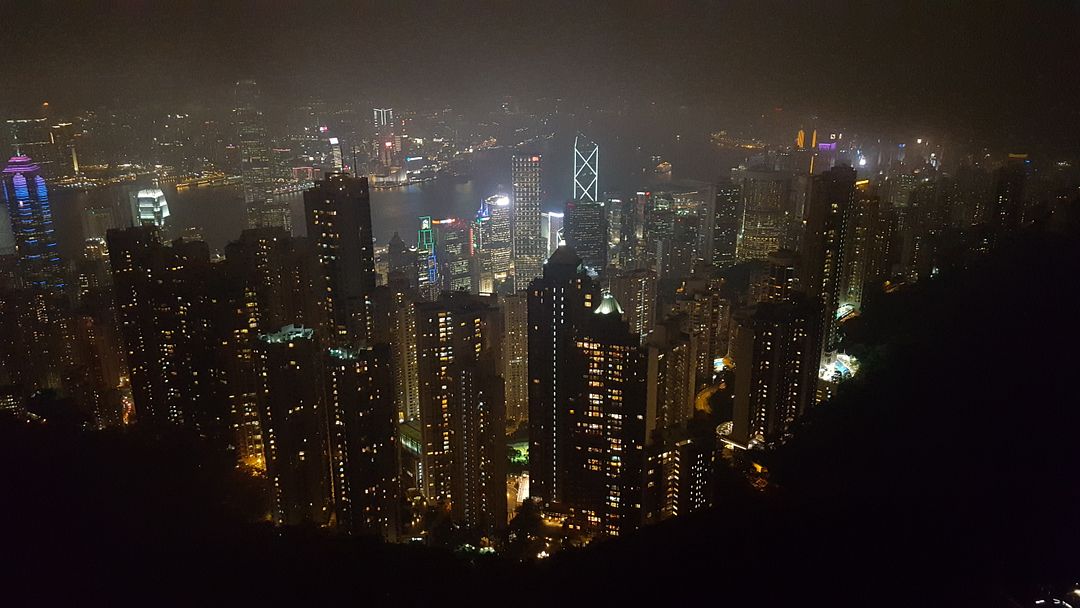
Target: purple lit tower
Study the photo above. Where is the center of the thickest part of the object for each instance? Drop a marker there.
(26, 199)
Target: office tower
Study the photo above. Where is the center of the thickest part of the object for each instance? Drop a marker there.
(516, 357)
(427, 272)
(529, 246)
(672, 373)
(26, 200)
(858, 259)
(776, 361)
(586, 170)
(166, 309)
(558, 302)
(551, 230)
(462, 408)
(832, 196)
(256, 169)
(148, 206)
(386, 143)
(494, 242)
(338, 212)
(586, 231)
(636, 290)
(726, 226)
(608, 424)
(454, 254)
(362, 424)
(763, 198)
(294, 423)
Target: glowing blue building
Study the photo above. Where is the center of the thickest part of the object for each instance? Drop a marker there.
(26, 199)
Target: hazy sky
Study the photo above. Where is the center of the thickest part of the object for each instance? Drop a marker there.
(1002, 68)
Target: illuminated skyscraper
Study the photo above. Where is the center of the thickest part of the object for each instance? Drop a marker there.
(558, 302)
(148, 206)
(586, 169)
(166, 309)
(294, 421)
(516, 356)
(26, 200)
(454, 252)
(551, 229)
(529, 246)
(776, 361)
(832, 197)
(462, 408)
(494, 242)
(763, 201)
(608, 424)
(256, 167)
(636, 291)
(386, 143)
(672, 359)
(338, 211)
(362, 424)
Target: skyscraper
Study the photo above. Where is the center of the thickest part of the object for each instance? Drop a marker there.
(462, 408)
(362, 424)
(148, 206)
(529, 246)
(586, 231)
(516, 356)
(494, 242)
(608, 424)
(586, 169)
(763, 200)
(338, 211)
(636, 291)
(558, 302)
(726, 228)
(166, 313)
(454, 252)
(776, 361)
(256, 168)
(26, 200)
(551, 229)
(294, 421)
(832, 196)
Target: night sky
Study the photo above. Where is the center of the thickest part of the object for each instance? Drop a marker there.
(1004, 71)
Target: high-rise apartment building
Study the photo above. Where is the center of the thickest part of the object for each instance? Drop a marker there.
(338, 212)
(558, 302)
(607, 424)
(832, 196)
(462, 408)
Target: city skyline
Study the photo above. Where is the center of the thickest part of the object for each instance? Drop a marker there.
(682, 302)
